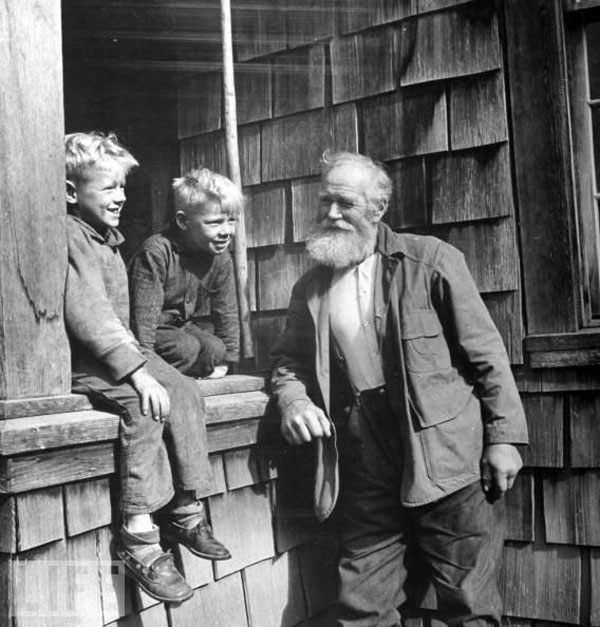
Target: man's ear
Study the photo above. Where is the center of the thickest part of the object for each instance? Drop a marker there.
(380, 210)
(71, 193)
(181, 220)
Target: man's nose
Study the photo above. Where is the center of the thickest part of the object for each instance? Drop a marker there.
(334, 212)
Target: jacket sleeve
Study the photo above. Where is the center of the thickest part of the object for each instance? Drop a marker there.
(89, 315)
(470, 328)
(293, 380)
(224, 310)
(147, 275)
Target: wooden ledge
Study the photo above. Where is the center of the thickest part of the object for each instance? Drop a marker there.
(560, 350)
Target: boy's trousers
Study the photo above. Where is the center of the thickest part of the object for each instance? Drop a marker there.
(157, 460)
(455, 543)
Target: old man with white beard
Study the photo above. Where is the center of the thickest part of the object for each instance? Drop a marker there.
(392, 367)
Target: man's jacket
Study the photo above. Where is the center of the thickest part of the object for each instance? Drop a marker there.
(445, 366)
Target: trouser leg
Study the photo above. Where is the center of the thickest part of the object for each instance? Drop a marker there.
(372, 572)
(460, 540)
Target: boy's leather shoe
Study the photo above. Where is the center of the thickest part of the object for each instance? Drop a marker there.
(198, 539)
(157, 577)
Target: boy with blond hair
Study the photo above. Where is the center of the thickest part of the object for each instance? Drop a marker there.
(157, 405)
(176, 274)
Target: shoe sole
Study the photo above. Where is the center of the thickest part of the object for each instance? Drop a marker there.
(132, 575)
(170, 537)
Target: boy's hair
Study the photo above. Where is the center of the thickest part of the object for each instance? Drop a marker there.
(202, 186)
(83, 150)
(381, 185)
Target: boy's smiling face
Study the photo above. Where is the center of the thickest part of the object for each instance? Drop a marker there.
(98, 197)
(206, 228)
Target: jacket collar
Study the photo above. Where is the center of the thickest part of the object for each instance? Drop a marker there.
(112, 237)
(388, 243)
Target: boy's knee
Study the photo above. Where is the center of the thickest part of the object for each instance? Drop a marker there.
(180, 350)
(214, 350)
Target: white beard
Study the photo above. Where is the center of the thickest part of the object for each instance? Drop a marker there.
(339, 248)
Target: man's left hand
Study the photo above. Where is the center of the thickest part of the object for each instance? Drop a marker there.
(500, 464)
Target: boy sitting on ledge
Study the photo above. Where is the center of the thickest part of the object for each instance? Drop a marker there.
(175, 273)
(157, 405)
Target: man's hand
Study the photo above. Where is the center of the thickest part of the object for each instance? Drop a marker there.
(303, 422)
(500, 464)
(153, 395)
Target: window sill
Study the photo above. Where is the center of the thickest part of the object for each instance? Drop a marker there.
(562, 350)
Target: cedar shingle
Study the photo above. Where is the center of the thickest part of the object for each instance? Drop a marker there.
(274, 592)
(258, 28)
(87, 505)
(520, 509)
(265, 216)
(221, 603)
(237, 516)
(408, 203)
(541, 582)
(506, 312)
(585, 430)
(306, 22)
(364, 65)
(477, 111)
(114, 593)
(305, 207)
(572, 508)
(544, 414)
(299, 80)
(266, 328)
(490, 249)
(357, 15)
(595, 576)
(448, 44)
(253, 91)
(407, 123)
(471, 185)
(199, 104)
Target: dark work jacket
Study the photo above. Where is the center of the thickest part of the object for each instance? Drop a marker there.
(445, 367)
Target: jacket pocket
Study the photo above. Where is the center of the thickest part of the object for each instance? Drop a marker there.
(424, 344)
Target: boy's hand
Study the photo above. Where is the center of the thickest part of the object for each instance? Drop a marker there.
(153, 395)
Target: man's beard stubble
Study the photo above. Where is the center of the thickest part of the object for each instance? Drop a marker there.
(339, 248)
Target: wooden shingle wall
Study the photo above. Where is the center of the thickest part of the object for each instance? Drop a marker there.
(422, 86)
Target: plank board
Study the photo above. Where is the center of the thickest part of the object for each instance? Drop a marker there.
(235, 407)
(471, 185)
(506, 311)
(408, 123)
(87, 505)
(29, 472)
(231, 384)
(549, 580)
(40, 407)
(253, 91)
(318, 569)
(542, 169)
(364, 64)
(305, 207)
(265, 216)
(448, 44)
(569, 379)
(221, 603)
(274, 592)
(199, 104)
(278, 269)
(572, 508)
(237, 516)
(299, 80)
(408, 204)
(477, 111)
(490, 249)
(520, 509)
(545, 419)
(584, 430)
(34, 530)
(292, 146)
(33, 342)
(357, 15)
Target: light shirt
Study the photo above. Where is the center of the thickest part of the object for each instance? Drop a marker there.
(352, 319)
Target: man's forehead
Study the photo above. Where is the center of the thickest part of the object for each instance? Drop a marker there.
(348, 177)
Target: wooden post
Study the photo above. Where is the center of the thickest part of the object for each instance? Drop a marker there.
(34, 352)
(233, 165)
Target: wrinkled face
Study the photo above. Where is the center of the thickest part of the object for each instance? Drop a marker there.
(206, 228)
(98, 197)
